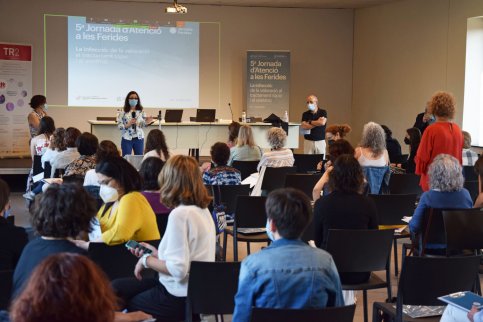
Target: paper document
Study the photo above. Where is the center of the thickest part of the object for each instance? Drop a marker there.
(407, 219)
(96, 232)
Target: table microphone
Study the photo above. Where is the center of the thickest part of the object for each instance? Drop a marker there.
(229, 105)
(133, 115)
(159, 115)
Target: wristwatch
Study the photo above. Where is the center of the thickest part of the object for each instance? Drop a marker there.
(144, 260)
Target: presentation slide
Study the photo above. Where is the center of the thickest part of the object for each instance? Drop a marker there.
(107, 60)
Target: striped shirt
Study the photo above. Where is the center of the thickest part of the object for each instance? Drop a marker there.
(469, 157)
(277, 159)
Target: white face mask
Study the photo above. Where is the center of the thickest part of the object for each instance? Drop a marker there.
(108, 194)
(311, 106)
(269, 232)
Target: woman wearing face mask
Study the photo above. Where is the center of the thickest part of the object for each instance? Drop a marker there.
(39, 107)
(412, 138)
(130, 122)
(126, 214)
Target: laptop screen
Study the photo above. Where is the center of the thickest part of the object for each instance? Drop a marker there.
(205, 115)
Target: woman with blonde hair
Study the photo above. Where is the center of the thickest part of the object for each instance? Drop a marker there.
(190, 236)
(245, 149)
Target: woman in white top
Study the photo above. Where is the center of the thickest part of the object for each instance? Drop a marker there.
(156, 145)
(245, 148)
(190, 236)
(372, 149)
(278, 156)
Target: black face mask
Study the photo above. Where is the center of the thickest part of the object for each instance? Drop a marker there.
(407, 141)
(330, 142)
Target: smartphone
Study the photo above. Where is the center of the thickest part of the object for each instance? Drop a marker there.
(132, 244)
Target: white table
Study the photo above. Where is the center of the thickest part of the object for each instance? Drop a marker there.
(194, 135)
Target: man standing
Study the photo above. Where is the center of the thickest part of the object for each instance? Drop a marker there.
(288, 273)
(313, 124)
(423, 120)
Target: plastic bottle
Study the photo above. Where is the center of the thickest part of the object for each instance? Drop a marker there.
(244, 117)
(285, 117)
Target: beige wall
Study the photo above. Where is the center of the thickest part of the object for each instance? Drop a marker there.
(403, 52)
(320, 42)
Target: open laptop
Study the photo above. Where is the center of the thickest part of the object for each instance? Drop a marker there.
(205, 115)
(173, 116)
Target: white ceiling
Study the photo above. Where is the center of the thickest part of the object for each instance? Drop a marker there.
(320, 4)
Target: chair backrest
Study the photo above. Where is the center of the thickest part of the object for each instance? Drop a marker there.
(400, 158)
(328, 314)
(435, 233)
(227, 195)
(6, 285)
(392, 208)
(274, 178)
(250, 212)
(424, 279)
(360, 250)
(303, 182)
(135, 160)
(212, 287)
(162, 221)
(47, 169)
(245, 167)
(37, 165)
(307, 162)
(469, 173)
(472, 187)
(404, 183)
(464, 229)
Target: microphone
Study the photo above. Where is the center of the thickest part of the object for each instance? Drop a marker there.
(229, 105)
(159, 115)
(133, 115)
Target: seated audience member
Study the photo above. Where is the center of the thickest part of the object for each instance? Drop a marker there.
(126, 214)
(149, 172)
(69, 287)
(189, 236)
(61, 160)
(469, 156)
(278, 156)
(345, 207)
(106, 149)
(412, 138)
(336, 132)
(446, 191)
(336, 149)
(221, 174)
(87, 145)
(233, 129)
(12, 239)
(60, 213)
(56, 145)
(156, 146)
(271, 278)
(479, 172)
(392, 145)
(245, 148)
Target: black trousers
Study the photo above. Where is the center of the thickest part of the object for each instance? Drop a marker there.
(150, 296)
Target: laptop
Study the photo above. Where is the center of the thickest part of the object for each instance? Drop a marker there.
(205, 115)
(173, 116)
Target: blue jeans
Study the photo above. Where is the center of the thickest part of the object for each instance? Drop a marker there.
(128, 145)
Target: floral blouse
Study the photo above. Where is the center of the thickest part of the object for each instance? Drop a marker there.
(81, 165)
(128, 134)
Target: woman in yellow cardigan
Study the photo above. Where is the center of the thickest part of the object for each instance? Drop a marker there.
(126, 214)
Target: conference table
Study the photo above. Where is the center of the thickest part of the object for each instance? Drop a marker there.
(197, 137)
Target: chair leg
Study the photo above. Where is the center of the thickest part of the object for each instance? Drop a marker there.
(235, 247)
(364, 300)
(248, 248)
(225, 242)
(396, 268)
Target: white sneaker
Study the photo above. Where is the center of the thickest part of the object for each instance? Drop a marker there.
(29, 195)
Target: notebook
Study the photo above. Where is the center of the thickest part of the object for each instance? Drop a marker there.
(463, 300)
(173, 116)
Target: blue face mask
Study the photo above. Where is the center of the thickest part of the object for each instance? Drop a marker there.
(311, 106)
(269, 232)
(7, 213)
(133, 102)
(432, 119)
(46, 107)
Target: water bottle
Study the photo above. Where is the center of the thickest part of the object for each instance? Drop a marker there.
(244, 117)
(285, 117)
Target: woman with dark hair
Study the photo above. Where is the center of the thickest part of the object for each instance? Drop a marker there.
(12, 239)
(131, 121)
(345, 207)
(392, 145)
(126, 214)
(233, 129)
(221, 174)
(56, 145)
(87, 145)
(156, 145)
(106, 149)
(60, 213)
(190, 236)
(61, 160)
(69, 287)
(149, 172)
(40, 143)
(38, 103)
(412, 138)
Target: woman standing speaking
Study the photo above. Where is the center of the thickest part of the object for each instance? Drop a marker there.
(130, 122)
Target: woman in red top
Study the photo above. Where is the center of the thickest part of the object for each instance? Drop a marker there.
(443, 136)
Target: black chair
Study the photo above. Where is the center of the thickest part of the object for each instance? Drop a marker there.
(472, 187)
(211, 288)
(227, 194)
(424, 279)
(274, 178)
(245, 167)
(469, 173)
(249, 213)
(303, 182)
(400, 158)
(329, 314)
(47, 169)
(162, 221)
(404, 184)
(37, 165)
(390, 210)
(307, 163)
(464, 230)
(356, 251)
(6, 286)
(116, 261)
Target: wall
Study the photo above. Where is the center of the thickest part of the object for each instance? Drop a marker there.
(403, 53)
(320, 42)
